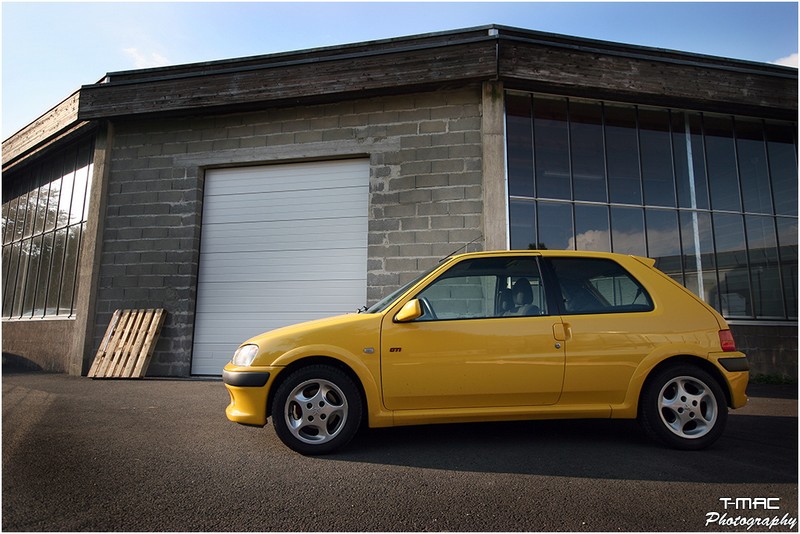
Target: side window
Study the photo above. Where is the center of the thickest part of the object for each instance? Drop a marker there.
(594, 285)
(484, 288)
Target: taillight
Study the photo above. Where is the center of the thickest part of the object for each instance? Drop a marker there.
(726, 341)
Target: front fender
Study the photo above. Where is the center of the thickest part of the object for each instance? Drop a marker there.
(366, 367)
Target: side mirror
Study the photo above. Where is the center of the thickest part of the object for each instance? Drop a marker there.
(411, 310)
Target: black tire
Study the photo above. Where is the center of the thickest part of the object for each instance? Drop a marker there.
(684, 407)
(316, 410)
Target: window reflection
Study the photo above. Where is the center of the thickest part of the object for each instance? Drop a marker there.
(627, 231)
(783, 166)
(697, 242)
(721, 154)
(622, 154)
(654, 139)
(591, 228)
(689, 162)
(787, 250)
(519, 135)
(588, 158)
(762, 247)
(551, 148)
(712, 198)
(752, 151)
(664, 241)
(732, 295)
(523, 224)
(555, 226)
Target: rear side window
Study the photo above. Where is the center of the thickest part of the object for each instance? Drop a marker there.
(595, 285)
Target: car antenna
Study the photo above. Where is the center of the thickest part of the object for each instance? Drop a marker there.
(460, 249)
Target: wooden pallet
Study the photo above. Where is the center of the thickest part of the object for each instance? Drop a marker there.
(128, 344)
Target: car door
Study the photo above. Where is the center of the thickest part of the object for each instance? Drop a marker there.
(610, 326)
(485, 339)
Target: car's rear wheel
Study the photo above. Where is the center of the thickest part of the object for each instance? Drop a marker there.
(316, 410)
(684, 407)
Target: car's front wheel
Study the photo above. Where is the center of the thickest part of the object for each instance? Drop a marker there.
(684, 407)
(316, 410)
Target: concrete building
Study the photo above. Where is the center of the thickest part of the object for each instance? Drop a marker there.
(245, 194)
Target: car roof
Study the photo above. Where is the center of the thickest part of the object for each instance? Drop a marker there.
(560, 253)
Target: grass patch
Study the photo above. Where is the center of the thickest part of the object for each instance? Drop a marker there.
(773, 379)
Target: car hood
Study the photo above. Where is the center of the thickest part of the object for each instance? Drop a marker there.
(349, 333)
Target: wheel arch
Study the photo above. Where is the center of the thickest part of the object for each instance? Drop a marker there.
(702, 363)
(320, 360)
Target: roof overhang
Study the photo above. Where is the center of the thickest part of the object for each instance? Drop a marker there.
(521, 59)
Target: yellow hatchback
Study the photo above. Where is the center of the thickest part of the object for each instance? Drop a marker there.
(499, 336)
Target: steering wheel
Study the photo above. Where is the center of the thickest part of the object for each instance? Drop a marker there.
(427, 310)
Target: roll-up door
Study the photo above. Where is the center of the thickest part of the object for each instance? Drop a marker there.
(281, 244)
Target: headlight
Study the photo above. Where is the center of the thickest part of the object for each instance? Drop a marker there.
(245, 355)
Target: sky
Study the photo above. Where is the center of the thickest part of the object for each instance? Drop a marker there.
(50, 49)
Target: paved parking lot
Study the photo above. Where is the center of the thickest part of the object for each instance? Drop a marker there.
(81, 454)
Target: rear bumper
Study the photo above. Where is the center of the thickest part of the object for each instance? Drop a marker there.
(736, 370)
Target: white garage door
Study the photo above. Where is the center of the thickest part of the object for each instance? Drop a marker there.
(281, 244)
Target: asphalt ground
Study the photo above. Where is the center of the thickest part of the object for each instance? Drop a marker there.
(159, 455)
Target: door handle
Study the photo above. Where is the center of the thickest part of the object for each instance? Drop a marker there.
(559, 333)
(562, 331)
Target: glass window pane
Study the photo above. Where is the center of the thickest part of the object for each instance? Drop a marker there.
(519, 143)
(44, 275)
(65, 203)
(30, 211)
(654, 137)
(591, 228)
(10, 280)
(41, 205)
(523, 224)
(54, 286)
(627, 231)
(664, 241)
(764, 271)
(733, 292)
(783, 166)
(588, 156)
(690, 162)
(33, 271)
(54, 196)
(699, 263)
(10, 218)
(787, 241)
(721, 155)
(70, 269)
(551, 148)
(555, 226)
(591, 285)
(622, 155)
(483, 288)
(78, 195)
(22, 276)
(753, 167)
(22, 209)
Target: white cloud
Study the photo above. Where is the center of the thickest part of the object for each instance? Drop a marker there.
(789, 61)
(143, 60)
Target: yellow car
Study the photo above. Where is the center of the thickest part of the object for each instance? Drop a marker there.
(499, 336)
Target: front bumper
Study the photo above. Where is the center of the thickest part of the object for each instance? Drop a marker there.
(248, 388)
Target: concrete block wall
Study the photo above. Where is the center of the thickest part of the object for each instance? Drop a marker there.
(426, 195)
(771, 350)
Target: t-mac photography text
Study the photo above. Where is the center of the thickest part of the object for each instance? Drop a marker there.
(751, 512)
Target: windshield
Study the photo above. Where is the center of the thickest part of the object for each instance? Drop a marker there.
(386, 301)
